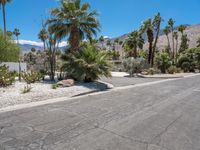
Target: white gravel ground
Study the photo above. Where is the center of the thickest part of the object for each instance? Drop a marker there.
(12, 95)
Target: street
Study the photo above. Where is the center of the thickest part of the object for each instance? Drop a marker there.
(162, 116)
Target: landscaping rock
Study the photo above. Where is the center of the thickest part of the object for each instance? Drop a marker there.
(66, 83)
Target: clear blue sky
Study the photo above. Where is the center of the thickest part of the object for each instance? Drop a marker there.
(117, 17)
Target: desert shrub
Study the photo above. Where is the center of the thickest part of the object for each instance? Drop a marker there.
(54, 86)
(133, 65)
(187, 63)
(151, 71)
(31, 77)
(163, 62)
(87, 64)
(6, 77)
(27, 88)
(182, 59)
(172, 70)
(185, 66)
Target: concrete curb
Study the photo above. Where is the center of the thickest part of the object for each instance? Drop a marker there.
(55, 100)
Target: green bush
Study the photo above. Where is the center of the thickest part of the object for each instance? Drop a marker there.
(133, 65)
(6, 77)
(163, 62)
(185, 66)
(87, 64)
(31, 77)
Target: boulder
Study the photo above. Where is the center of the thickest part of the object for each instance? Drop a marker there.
(66, 83)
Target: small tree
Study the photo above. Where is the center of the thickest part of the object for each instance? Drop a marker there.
(9, 50)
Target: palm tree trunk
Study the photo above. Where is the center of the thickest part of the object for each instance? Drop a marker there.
(176, 50)
(168, 43)
(4, 18)
(74, 39)
(173, 51)
(44, 45)
(150, 52)
(154, 46)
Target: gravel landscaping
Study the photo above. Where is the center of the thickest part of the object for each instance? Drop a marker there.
(13, 95)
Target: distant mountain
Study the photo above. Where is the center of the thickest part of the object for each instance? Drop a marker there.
(27, 48)
(193, 32)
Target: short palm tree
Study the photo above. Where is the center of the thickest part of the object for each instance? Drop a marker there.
(166, 30)
(133, 42)
(16, 32)
(3, 4)
(88, 65)
(101, 40)
(43, 36)
(74, 20)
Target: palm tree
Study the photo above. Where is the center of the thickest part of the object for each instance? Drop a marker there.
(43, 36)
(148, 28)
(176, 38)
(156, 23)
(171, 25)
(16, 32)
(134, 41)
(109, 43)
(198, 42)
(166, 30)
(101, 40)
(3, 4)
(73, 19)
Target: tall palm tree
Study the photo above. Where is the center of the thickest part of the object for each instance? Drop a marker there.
(43, 36)
(148, 28)
(3, 4)
(133, 42)
(176, 38)
(73, 19)
(156, 24)
(166, 30)
(16, 32)
(171, 25)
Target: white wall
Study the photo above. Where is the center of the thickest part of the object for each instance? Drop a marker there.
(15, 66)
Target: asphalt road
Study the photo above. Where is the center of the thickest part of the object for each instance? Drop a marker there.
(163, 116)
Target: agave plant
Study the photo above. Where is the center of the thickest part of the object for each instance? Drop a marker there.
(87, 64)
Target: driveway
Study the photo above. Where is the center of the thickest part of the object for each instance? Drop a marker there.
(126, 81)
(162, 116)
